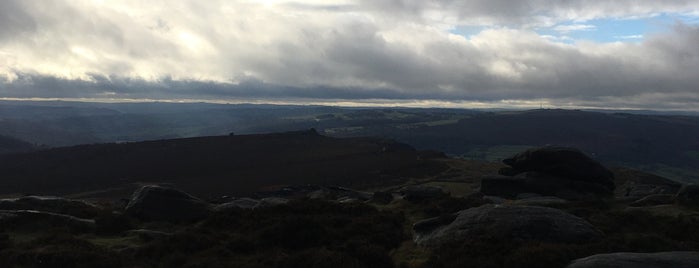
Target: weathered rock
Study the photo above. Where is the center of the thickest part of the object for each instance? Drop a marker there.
(422, 192)
(77, 208)
(561, 162)
(674, 259)
(506, 223)
(32, 218)
(148, 235)
(341, 192)
(244, 203)
(156, 203)
(654, 200)
(271, 201)
(688, 195)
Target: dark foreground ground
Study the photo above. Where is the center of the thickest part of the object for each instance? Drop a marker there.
(316, 224)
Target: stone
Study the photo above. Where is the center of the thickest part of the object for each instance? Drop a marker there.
(674, 259)
(148, 235)
(272, 201)
(242, 203)
(157, 203)
(562, 162)
(505, 222)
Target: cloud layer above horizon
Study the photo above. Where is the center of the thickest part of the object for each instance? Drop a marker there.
(481, 50)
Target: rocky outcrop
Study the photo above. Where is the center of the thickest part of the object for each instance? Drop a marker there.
(688, 195)
(506, 223)
(674, 259)
(249, 203)
(553, 171)
(77, 208)
(157, 203)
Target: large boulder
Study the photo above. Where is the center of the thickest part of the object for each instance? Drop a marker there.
(674, 259)
(505, 222)
(555, 171)
(688, 195)
(562, 162)
(157, 203)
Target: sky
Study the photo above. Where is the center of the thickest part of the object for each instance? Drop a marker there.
(630, 54)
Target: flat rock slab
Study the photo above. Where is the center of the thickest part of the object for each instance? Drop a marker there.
(506, 222)
(673, 259)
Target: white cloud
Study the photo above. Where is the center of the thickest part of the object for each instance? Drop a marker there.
(567, 28)
(345, 49)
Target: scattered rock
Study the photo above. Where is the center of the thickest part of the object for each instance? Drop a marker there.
(507, 223)
(675, 259)
(77, 208)
(422, 192)
(654, 200)
(157, 203)
(688, 195)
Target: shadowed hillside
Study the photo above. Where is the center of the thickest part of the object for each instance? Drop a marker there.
(215, 165)
(612, 138)
(12, 145)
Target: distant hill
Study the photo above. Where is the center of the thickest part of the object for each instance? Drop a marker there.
(215, 165)
(614, 138)
(12, 145)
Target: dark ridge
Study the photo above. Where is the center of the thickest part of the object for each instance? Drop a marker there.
(237, 164)
(12, 145)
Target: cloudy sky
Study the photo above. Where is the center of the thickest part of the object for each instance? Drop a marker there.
(573, 53)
